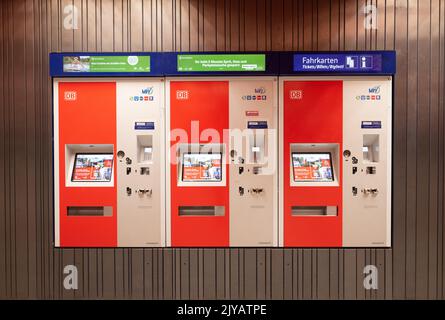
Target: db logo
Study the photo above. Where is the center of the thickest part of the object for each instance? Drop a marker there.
(296, 94)
(182, 94)
(70, 95)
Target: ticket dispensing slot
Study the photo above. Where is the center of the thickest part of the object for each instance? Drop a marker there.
(314, 210)
(201, 210)
(106, 211)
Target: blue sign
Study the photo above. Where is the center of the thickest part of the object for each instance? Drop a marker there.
(338, 62)
(144, 125)
(371, 124)
(276, 63)
(257, 124)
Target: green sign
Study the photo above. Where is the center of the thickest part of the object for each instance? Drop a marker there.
(106, 64)
(221, 62)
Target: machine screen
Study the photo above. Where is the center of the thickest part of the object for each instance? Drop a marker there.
(89, 167)
(312, 167)
(201, 167)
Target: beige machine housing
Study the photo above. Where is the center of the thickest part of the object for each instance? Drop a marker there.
(253, 161)
(367, 134)
(140, 163)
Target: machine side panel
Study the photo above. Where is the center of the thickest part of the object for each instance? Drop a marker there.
(367, 183)
(253, 162)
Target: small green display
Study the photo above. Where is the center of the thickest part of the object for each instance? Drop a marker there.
(106, 64)
(221, 62)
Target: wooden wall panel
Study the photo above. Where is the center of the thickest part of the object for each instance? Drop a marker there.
(31, 268)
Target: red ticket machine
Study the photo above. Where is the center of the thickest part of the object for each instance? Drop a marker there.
(335, 161)
(109, 162)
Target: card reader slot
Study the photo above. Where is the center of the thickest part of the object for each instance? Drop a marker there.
(201, 210)
(89, 211)
(314, 210)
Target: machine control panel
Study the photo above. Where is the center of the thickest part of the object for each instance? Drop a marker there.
(367, 129)
(140, 140)
(252, 162)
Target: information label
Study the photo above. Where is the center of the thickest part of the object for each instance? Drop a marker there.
(106, 64)
(354, 63)
(221, 62)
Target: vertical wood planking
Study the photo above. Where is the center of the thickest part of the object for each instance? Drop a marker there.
(220, 269)
(277, 25)
(261, 274)
(234, 274)
(194, 278)
(441, 266)
(334, 271)
(108, 274)
(412, 132)
(433, 182)
(307, 283)
(288, 274)
(250, 274)
(422, 149)
(209, 24)
(19, 123)
(323, 275)
(137, 273)
(277, 273)
(400, 152)
(350, 274)
(4, 178)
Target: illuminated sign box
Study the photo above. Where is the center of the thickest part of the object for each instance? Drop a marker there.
(221, 62)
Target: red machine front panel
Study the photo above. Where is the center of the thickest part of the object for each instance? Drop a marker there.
(312, 114)
(205, 103)
(87, 115)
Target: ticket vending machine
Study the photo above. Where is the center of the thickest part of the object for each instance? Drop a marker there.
(223, 159)
(335, 148)
(108, 160)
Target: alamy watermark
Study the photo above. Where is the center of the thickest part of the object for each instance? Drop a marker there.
(371, 280)
(70, 281)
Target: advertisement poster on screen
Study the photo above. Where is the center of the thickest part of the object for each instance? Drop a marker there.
(93, 167)
(312, 167)
(198, 167)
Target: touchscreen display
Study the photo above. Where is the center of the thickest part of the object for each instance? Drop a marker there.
(201, 167)
(92, 167)
(312, 167)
